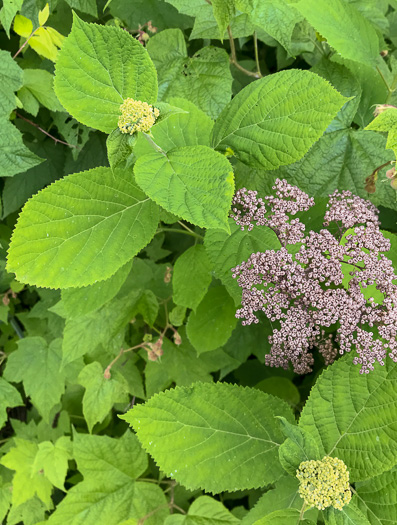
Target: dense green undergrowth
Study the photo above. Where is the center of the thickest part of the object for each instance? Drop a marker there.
(133, 133)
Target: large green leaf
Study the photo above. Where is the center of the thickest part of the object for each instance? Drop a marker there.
(81, 229)
(38, 365)
(377, 498)
(274, 121)
(227, 251)
(193, 182)
(9, 397)
(352, 416)
(11, 78)
(344, 28)
(213, 436)
(193, 262)
(97, 68)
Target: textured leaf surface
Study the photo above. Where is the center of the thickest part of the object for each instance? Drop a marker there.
(212, 436)
(11, 76)
(227, 251)
(359, 428)
(194, 182)
(52, 460)
(97, 68)
(348, 515)
(212, 324)
(344, 28)
(9, 397)
(35, 359)
(204, 511)
(7, 13)
(283, 517)
(299, 446)
(377, 498)
(81, 229)
(387, 121)
(274, 121)
(188, 291)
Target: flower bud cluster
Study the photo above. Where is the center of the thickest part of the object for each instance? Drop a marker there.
(324, 483)
(136, 116)
(304, 291)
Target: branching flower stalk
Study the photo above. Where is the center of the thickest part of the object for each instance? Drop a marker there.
(321, 285)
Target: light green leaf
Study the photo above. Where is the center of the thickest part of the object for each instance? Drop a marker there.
(26, 481)
(189, 292)
(387, 121)
(299, 446)
(344, 28)
(227, 251)
(9, 397)
(284, 517)
(31, 512)
(358, 428)
(148, 307)
(11, 76)
(103, 327)
(15, 157)
(39, 84)
(194, 182)
(85, 6)
(78, 302)
(224, 11)
(377, 498)
(348, 515)
(100, 393)
(7, 13)
(228, 430)
(97, 68)
(120, 149)
(100, 221)
(212, 324)
(274, 121)
(35, 359)
(204, 511)
(53, 460)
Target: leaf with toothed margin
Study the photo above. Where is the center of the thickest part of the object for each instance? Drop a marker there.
(97, 68)
(213, 436)
(81, 229)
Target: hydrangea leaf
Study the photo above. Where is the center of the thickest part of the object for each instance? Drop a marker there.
(193, 182)
(11, 78)
(212, 324)
(227, 251)
(39, 84)
(348, 514)
(377, 498)
(9, 397)
(85, 6)
(204, 511)
(284, 517)
(387, 121)
(36, 359)
(53, 460)
(97, 68)
(26, 481)
(212, 436)
(79, 302)
(344, 28)
(188, 291)
(275, 120)
(100, 393)
(109, 493)
(101, 220)
(358, 428)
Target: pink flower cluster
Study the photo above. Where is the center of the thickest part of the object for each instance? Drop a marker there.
(323, 286)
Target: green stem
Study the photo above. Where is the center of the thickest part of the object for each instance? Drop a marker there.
(384, 81)
(175, 230)
(153, 144)
(258, 67)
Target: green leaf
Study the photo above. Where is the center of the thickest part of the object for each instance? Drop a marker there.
(284, 517)
(100, 221)
(228, 430)
(73, 133)
(148, 307)
(9, 397)
(109, 493)
(387, 121)
(81, 301)
(26, 481)
(299, 446)
(193, 262)
(204, 79)
(352, 417)
(97, 68)
(344, 28)
(7, 13)
(194, 182)
(280, 387)
(204, 511)
(35, 359)
(212, 324)
(348, 515)
(15, 157)
(53, 460)
(227, 251)
(223, 13)
(274, 121)
(11, 78)
(100, 393)
(39, 84)
(119, 147)
(31, 512)
(377, 498)
(84, 6)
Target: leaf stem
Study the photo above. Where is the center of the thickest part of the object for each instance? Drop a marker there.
(153, 144)
(303, 509)
(384, 81)
(46, 132)
(233, 58)
(175, 230)
(26, 41)
(258, 67)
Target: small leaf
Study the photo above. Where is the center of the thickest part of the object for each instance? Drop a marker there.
(11, 78)
(53, 460)
(9, 397)
(204, 511)
(387, 122)
(44, 14)
(7, 13)
(23, 26)
(120, 149)
(228, 430)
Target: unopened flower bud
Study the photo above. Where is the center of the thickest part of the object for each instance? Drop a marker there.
(381, 108)
(107, 374)
(177, 338)
(167, 276)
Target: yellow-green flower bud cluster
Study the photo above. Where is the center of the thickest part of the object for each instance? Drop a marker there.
(136, 116)
(324, 483)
